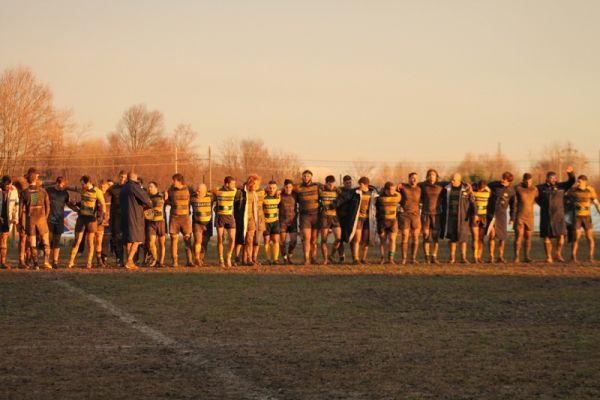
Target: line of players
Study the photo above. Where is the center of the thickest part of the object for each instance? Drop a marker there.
(352, 215)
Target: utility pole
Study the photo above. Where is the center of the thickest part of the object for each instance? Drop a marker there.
(559, 172)
(209, 167)
(176, 148)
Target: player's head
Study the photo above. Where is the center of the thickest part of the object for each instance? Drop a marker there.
(288, 186)
(363, 183)
(582, 181)
(152, 187)
(551, 178)
(229, 182)
(527, 179)
(86, 182)
(413, 178)
(389, 188)
(307, 176)
(178, 179)
(330, 182)
(347, 181)
(122, 177)
(432, 175)
(202, 190)
(507, 178)
(272, 188)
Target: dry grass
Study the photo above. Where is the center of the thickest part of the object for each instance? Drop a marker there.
(326, 332)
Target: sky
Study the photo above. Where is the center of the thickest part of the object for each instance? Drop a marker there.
(329, 80)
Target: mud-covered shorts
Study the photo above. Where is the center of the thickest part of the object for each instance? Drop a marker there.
(584, 222)
(481, 222)
(156, 228)
(387, 226)
(180, 223)
(431, 222)
(309, 221)
(289, 226)
(199, 228)
(225, 221)
(329, 221)
(524, 224)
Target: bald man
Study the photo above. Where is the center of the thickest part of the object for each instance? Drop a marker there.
(133, 201)
(458, 207)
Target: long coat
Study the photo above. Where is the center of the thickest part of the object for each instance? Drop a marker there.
(351, 200)
(348, 204)
(240, 207)
(551, 200)
(133, 201)
(502, 198)
(456, 227)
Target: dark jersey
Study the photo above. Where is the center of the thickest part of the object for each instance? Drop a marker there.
(288, 207)
(58, 200)
(115, 200)
(411, 197)
(430, 198)
(525, 201)
(502, 198)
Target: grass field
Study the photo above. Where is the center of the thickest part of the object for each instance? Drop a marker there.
(415, 332)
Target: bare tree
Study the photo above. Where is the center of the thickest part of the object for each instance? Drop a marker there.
(283, 166)
(401, 170)
(556, 157)
(253, 155)
(484, 166)
(30, 126)
(230, 159)
(363, 168)
(184, 138)
(139, 129)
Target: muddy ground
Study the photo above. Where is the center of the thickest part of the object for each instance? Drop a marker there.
(485, 331)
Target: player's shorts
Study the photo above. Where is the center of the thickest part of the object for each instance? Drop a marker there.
(289, 226)
(329, 222)
(199, 229)
(481, 222)
(272, 228)
(362, 224)
(86, 223)
(252, 225)
(5, 226)
(387, 226)
(225, 221)
(309, 221)
(431, 222)
(584, 222)
(180, 223)
(409, 221)
(56, 229)
(156, 228)
(524, 224)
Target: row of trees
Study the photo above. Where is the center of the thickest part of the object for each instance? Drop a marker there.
(34, 132)
(474, 167)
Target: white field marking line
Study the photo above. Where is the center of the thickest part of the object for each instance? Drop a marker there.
(110, 347)
(127, 318)
(229, 378)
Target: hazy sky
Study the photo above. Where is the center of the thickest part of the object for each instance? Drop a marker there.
(377, 80)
